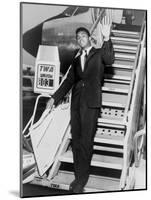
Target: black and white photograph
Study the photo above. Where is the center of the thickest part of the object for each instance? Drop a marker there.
(82, 99)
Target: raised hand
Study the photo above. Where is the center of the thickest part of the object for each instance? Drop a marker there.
(106, 24)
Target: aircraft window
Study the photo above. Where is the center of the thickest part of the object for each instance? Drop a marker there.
(70, 10)
(81, 10)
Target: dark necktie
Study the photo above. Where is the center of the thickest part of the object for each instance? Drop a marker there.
(85, 56)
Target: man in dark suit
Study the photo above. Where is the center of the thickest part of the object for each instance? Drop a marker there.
(85, 78)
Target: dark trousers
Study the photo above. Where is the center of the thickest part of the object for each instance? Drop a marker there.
(83, 129)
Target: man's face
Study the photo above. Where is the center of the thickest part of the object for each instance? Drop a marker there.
(83, 39)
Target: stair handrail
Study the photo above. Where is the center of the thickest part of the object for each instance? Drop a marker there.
(140, 133)
(132, 83)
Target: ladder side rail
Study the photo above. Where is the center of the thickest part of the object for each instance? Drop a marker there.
(130, 180)
(138, 149)
(141, 133)
(126, 155)
(132, 123)
(137, 63)
(132, 82)
(144, 100)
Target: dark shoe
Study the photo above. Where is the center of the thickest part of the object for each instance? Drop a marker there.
(73, 184)
(78, 188)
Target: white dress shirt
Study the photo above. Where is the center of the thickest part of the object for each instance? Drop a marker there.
(84, 52)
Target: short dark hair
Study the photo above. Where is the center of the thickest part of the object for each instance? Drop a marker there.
(82, 29)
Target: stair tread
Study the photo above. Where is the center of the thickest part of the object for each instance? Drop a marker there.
(127, 56)
(116, 85)
(110, 121)
(125, 46)
(119, 140)
(117, 81)
(112, 104)
(122, 64)
(126, 32)
(97, 160)
(114, 99)
(125, 39)
(113, 89)
(127, 78)
(99, 138)
(112, 118)
(128, 27)
(98, 183)
(122, 50)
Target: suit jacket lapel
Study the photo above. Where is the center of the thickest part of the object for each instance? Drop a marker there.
(78, 61)
(91, 53)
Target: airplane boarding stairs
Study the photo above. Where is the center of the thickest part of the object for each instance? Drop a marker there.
(112, 166)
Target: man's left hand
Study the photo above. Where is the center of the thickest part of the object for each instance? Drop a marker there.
(106, 24)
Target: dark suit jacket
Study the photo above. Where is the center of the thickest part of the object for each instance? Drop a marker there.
(88, 81)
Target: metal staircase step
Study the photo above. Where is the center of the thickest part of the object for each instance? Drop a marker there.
(110, 121)
(124, 56)
(124, 39)
(107, 139)
(124, 87)
(63, 180)
(117, 81)
(122, 64)
(109, 131)
(115, 90)
(113, 118)
(94, 184)
(124, 48)
(131, 34)
(113, 99)
(111, 125)
(111, 76)
(112, 104)
(97, 160)
(109, 149)
(111, 71)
